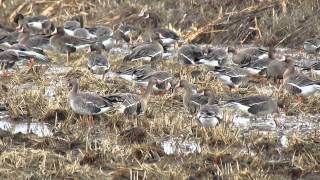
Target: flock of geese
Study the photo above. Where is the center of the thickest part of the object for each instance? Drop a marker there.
(34, 35)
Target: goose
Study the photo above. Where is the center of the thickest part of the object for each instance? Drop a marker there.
(63, 43)
(216, 57)
(255, 105)
(148, 51)
(232, 77)
(97, 63)
(191, 101)
(37, 41)
(132, 105)
(209, 115)
(167, 36)
(34, 23)
(259, 67)
(87, 103)
(276, 69)
(190, 54)
(247, 55)
(311, 45)
(298, 84)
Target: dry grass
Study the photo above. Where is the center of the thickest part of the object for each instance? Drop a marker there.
(116, 150)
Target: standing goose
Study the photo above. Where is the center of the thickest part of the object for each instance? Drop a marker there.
(191, 101)
(276, 69)
(311, 45)
(85, 103)
(97, 63)
(232, 77)
(63, 43)
(298, 84)
(131, 105)
(209, 114)
(148, 51)
(190, 54)
(255, 105)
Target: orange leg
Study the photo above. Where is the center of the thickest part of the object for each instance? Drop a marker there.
(90, 121)
(162, 93)
(300, 100)
(142, 90)
(31, 63)
(5, 74)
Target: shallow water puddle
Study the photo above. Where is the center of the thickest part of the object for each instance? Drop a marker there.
(178, 146)
(40, 129)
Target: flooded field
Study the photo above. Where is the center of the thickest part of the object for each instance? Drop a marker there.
(39, 132)
(42, 138)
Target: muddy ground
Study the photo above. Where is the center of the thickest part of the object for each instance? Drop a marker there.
(166, 143)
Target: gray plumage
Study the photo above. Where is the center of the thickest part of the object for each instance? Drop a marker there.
(247, 55)
(190, 54)
(209, 114)
(97, 62)
(192, 102)
(131, 105)
(64, 43)
(233, 77)
(311, 45)
(147, 51)
(215, 57)
(255, 105)
(298, 84)
(85, 103)
(29, 40)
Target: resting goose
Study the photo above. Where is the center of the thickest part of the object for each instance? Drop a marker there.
(10, 56)
(37, 41)
(311, 45)
(128, 32)
(259, 66)
(167, 36)
(63, 43)
(148, 51)
(97, 62)
(247, 55)
(254, 105)
(216, 57)
(232, 77)
(191, 101)
(209, 114)
(132, 73)
(35, 24)
(190, 54)
(298, 84)
(132, 105)
(86, 103)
